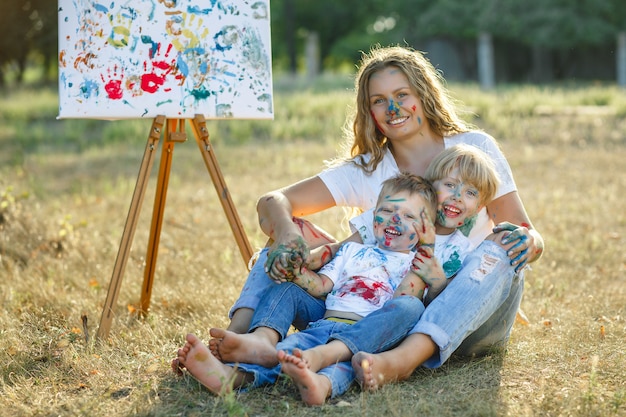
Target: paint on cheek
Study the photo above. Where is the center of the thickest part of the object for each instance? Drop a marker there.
(378, 220)
(414, 108)
(419, 120)
(376, 121)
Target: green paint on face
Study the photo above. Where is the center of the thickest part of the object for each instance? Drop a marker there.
(468, 225)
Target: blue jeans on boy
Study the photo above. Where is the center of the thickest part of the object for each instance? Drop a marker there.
(381, 333)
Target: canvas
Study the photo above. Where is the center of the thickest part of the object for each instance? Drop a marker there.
(177, 58)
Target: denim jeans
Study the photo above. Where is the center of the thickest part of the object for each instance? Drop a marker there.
(477, 309)
(277, 306)
(255, 286)
(383, 331)
(285, 304)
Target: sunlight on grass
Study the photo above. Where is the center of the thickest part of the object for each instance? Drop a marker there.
(65, 188)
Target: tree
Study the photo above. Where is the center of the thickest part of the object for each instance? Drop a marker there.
(29, 26)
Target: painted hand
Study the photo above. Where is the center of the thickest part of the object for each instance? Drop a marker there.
(425, 229)
(426, 266)
(285, 260)
(519, 243)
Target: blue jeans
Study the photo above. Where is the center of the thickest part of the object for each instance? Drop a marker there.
(378, 335)
(476, 311)
(286, 304)
(256, 285)
(276, 306)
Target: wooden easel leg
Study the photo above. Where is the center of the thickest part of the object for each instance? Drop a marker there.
(173, 136)
(202, 138)
(130, 227)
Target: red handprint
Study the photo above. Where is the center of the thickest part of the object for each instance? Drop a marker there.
(152, 80)
(113, 86)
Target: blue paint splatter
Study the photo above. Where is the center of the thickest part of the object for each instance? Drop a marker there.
(154, 46)
(100, 8)
(89, 88)
(200, 93)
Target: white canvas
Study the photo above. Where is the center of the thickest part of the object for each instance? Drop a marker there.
(177, 58)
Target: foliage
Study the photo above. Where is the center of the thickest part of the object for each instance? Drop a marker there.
(345, 29)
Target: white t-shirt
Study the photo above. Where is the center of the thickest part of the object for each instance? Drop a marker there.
(350, 186)
(450, 249)
(364, 277)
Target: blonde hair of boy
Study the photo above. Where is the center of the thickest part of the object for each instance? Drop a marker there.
(413, 184)
(475, 168)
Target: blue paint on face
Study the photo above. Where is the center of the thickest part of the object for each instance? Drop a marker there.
(394, 109)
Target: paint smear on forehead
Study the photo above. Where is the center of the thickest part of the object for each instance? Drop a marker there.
(394, 200)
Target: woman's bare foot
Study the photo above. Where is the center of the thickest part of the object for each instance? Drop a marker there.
(314, 389)
(245, 348)
(207, 369)
(365, 368)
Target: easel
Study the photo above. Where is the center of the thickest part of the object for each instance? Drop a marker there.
(175, 134)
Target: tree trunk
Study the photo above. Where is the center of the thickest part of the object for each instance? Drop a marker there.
(542, 68)
(291, 36)
(486, 73)
(621, 59)
(312, 55)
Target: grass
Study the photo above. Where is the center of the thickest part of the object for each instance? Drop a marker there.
(65, 187)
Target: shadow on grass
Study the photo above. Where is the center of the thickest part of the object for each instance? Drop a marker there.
(462, 387)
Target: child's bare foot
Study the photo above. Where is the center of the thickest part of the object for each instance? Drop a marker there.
(366, 373)
(314, 389)
(207, 369)
(246, 348)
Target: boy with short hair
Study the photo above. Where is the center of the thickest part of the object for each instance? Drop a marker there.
(357, 282)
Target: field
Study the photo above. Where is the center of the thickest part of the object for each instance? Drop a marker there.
(65, 189)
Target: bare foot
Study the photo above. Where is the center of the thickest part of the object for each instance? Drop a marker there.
(246, 348)
(207, 369)
(366, 373)
(314, 389)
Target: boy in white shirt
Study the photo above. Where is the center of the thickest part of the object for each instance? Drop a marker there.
(357, 282)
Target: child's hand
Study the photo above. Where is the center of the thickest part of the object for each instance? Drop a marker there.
(426, 266)
(425, 230)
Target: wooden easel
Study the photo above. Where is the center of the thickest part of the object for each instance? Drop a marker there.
(175, 134)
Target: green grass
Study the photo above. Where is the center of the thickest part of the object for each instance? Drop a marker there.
(65, 187)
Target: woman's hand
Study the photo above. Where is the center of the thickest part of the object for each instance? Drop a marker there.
(284, 260)
(519, 243)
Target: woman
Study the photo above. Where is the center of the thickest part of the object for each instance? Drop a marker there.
(403, 119)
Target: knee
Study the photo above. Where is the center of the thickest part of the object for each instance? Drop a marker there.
(407, 303)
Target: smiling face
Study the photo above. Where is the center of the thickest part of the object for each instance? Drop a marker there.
(396, 109)
(394, 219)
(459, 202)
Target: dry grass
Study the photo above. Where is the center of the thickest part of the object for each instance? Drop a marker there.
(61, 219)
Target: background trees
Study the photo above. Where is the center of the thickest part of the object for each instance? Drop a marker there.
(530, 40)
